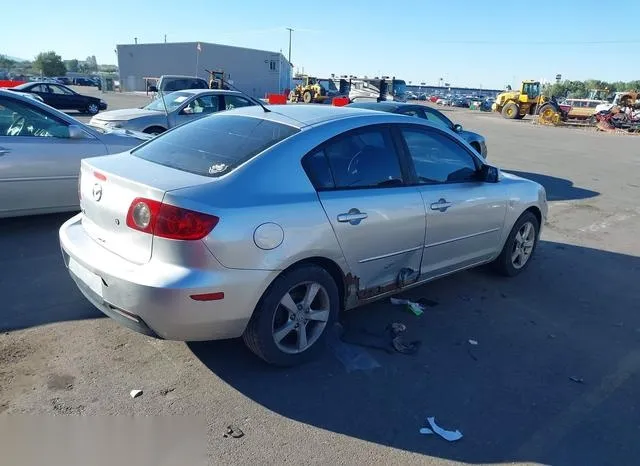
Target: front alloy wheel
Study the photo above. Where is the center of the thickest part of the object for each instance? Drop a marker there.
(523, 245)
(520, 246)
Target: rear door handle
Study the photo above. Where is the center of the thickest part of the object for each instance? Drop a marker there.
(442, 205)
(354, 217)
(4, 151)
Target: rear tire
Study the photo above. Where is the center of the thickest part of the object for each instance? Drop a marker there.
(92, 108)
(283, 314)
(510, 111)
(523, 240)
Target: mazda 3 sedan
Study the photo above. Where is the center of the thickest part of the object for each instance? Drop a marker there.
(266, 224)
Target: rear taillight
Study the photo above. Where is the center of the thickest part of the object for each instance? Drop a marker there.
(169, 221)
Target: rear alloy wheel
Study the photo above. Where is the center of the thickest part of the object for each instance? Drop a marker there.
(291, 320)
(520, 246)
(510, 111)
(93, 108)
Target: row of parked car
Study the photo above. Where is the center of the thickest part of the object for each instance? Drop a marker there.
(263, 221)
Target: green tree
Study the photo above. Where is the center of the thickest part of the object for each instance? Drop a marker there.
(91, 64)
(6, 63)
(50, 64)
(71, 65)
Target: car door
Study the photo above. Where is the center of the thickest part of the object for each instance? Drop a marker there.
(465, 215)
(42, 90)
(378, 220)
(39, 162)
(198, 107)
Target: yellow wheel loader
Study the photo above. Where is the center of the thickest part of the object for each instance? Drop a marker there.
(515, 105)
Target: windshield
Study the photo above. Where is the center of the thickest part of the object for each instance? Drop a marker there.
(172, 101)
(215, 145)
(399, 88)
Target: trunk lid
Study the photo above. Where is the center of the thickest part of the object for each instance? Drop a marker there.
(107, 187)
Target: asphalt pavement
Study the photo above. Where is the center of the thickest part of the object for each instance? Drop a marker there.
(553, 378)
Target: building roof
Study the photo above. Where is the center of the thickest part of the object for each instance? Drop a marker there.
(203, 45)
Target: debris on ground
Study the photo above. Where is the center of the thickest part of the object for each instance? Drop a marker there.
(135, 393)
(390, 340)
(233, 432)
(577, 380)
(414, 307)
(448, 435)
(427, 302)
(473, 342)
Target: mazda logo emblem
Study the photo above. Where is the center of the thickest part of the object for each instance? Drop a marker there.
(97, 191)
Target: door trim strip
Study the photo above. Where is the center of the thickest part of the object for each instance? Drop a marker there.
(391, 254)
(440, 243)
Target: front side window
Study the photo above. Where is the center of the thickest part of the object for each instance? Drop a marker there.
(234, 101)
(362, 159)
(20, 119)
(438, 159)
(203, 104)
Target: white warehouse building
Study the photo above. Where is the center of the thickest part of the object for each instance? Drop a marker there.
(256, 72)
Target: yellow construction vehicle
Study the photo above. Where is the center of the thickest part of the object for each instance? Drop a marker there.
(308, 90)
(514, 105)
(217, 80)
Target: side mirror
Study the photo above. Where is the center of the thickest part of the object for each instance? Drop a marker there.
(75, 132)
(153, 88)
(490, 174)
(457, 128)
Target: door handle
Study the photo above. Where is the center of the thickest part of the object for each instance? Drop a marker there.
(4, 151)
(442, 205)
(354, 217)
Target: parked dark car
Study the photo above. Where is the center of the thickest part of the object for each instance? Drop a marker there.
(84, 82)
(64, 80)
(63, 98)
(475, 140)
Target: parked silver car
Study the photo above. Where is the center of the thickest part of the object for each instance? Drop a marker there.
(172, 110)
(266, 223)
(40, 153)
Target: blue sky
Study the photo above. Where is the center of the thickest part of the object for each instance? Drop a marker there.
(466, 42)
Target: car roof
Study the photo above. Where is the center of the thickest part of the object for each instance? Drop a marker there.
(208, 91)
(302, 115)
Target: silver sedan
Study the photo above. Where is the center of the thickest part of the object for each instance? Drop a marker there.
(267, 223)
(40, 153)
(172, 110)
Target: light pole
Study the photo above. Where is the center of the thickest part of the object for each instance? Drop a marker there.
(290, 31)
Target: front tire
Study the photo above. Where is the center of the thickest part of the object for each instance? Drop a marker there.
(293, 317)
(307, 97)
(510, 111)
(519, 247)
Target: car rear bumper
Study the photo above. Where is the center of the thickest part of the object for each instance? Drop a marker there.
(155, 298)
(103, 105)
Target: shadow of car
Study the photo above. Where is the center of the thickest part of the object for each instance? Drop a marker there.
(558, 189)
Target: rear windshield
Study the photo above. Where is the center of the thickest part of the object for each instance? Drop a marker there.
(214, 145)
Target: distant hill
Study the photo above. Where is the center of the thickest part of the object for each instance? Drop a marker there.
(14, 58)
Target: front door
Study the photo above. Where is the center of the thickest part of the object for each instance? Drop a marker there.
(465, 215)
(378, 220)
(39, 163)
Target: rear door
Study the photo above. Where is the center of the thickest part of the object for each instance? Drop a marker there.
(378, 220)
(39, 163)
(465, 216)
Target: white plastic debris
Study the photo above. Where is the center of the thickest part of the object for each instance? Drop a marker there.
(135, 393)
(449, 435)
(473, 342)
(426, 431)
(399, 301)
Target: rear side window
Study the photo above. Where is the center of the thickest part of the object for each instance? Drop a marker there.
(215, 145)
(361, 159)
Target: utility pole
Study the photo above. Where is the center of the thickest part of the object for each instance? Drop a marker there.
(165, 38)
(290, 31)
